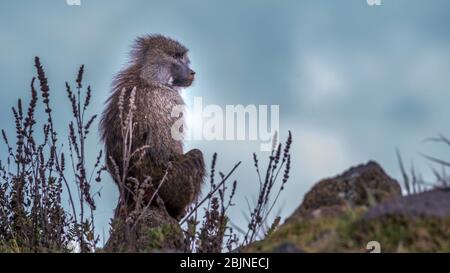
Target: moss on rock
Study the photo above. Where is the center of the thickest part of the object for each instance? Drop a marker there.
(155, 232)
(345, 213)
(350, 232)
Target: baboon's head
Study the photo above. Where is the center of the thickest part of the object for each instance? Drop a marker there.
(163, 60)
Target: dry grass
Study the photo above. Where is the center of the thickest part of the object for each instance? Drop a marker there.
(32, 215)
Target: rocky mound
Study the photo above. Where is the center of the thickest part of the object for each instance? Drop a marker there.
(155, 232)
(349, 212)
(363, 185)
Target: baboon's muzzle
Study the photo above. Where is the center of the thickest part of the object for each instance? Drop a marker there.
(191, 76)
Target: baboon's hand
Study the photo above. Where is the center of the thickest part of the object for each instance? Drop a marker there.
(195, 157)
(183, 182)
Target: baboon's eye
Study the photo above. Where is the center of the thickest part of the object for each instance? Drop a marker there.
(177, 55)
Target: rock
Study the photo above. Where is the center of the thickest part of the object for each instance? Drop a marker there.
(157, 231)
(363, 185)
(346, 213)
(435, 203)
(351, 232)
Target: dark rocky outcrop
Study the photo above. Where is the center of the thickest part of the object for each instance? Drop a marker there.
(363, 185)
(345, 213)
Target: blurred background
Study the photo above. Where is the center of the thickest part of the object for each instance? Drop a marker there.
(353, 81)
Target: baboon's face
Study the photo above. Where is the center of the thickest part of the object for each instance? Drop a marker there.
(181, 74)
(168, 64)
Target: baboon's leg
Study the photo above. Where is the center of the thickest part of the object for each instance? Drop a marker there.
(183, 183)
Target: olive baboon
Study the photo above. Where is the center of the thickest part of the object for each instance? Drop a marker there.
(159, 68)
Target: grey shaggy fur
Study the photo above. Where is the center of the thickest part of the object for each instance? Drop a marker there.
(159, 67)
